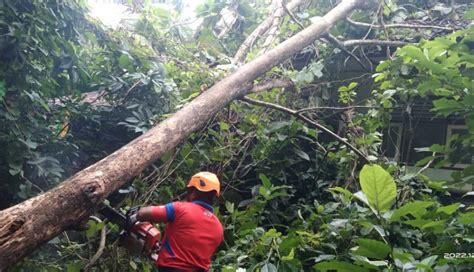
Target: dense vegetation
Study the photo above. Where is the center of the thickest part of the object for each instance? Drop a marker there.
(295, 198)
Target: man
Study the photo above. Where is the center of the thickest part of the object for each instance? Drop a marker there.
(193, 232)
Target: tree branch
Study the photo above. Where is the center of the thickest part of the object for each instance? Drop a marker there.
(427, 165)
(272, 83)
(293, 17)
(397, 25)
(279, 12)
(337, 43)
(100, 250)
(259, 31)
(337, 108)
(308, 121)
(349, 43)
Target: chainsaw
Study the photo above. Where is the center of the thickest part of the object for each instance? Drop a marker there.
(141, 238)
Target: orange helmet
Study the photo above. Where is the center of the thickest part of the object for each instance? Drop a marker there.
(205, 182)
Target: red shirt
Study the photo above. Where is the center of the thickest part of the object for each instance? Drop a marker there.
(192, 236)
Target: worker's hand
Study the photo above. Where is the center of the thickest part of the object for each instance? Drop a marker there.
(132, 217)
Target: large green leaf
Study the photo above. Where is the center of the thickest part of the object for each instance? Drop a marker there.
(338, 266)
(265, 181)
(124, 61)
(372, 249)
(413, 52)
(415, 208)
(301, 154)
(268, 267)
(466, 218)
(378, 186)
(450, 209)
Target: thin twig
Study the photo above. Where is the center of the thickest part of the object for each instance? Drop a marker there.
(100, 250)
(361, 78)
(130, 89)
(293, 17)
(366, 58)
(398, 25)
(64, 128)
(337, 108)
(382, 23)
(342, 47)
(349, 43)
(100, 94)
(245, 148)
(427, 165)
(306, 120)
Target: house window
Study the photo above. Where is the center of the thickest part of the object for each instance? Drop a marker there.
(392, 141)
(423, 134)
(458, 154)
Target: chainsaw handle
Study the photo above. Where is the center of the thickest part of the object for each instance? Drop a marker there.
(132, 217)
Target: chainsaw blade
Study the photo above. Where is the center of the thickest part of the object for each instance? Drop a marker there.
(113, 215)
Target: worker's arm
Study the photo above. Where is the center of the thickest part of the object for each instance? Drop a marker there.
(158, 214)
(154, 214)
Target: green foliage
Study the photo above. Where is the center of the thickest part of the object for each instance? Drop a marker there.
(415, 208)
(372, 249)
(378, 186)
(308, 74)
(52, 55)
(347, 93)
(338, 266)
(441, 69)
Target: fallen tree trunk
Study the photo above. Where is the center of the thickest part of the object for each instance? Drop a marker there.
(31, 223)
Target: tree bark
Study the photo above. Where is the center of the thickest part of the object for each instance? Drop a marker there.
(33, 222)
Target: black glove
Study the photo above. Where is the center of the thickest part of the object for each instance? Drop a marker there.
(132, 217)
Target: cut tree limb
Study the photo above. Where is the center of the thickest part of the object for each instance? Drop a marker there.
(272, 83)
(273, 30)
(307, 120)
(27, 225)
(259, 31)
